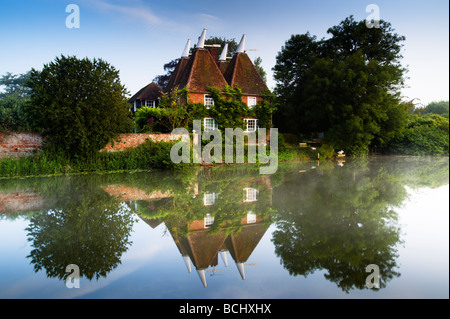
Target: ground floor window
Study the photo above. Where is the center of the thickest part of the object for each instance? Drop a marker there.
(209, 124)
(149, 103)
(208, 220)
(251, 125)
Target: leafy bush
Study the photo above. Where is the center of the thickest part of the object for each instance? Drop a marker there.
(424, 135)
(145, 124)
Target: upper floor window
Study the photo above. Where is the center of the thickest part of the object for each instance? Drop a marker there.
(251, 101)
(209, 101)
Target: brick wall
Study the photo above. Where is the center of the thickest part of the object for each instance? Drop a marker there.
(135, 139)
(19, 144)
(23, 144)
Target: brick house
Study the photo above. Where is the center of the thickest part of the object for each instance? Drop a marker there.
(203, 68)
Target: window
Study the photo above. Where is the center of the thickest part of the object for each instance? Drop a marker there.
(208, 101)
(209, 124)
(150, 103)
(250, 194)
(251, 125)
(251, 217)
(208, 220)
(251, 101)
(210, 198)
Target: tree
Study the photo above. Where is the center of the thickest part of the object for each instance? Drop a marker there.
(260, 69)
(440, 108)
(163, 79)
(12, 102)
(79, 105)
(347, 86)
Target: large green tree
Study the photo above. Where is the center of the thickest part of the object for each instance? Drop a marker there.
(79, 105)
(12, 101)
(347, 86)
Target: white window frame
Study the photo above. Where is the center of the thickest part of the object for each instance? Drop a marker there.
(251, 195)
(208, 220)
(209, 126)
(251, 217)
(255, 125)
(150, 103)
(209, 198)
(208, 101)
(251, 101)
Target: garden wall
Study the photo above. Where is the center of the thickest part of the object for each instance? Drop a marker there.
(19, 144)
(23, 144)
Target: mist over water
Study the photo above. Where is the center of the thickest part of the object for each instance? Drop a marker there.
(307, 231)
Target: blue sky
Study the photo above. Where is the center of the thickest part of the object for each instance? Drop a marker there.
(139, 36)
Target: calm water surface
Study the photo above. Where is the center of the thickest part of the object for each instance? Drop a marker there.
(308, 231)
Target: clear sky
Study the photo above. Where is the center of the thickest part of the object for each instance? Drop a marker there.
(139, 36)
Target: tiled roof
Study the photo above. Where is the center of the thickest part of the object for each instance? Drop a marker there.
(242, 71)
(197, 73)
(150, 92)
(200, 71)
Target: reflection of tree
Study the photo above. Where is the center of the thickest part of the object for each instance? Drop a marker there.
(341, 221)
(86, 227)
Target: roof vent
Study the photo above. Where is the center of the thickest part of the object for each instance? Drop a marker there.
(223, 56)
(241, 47)
(201, 40)
(186, 49)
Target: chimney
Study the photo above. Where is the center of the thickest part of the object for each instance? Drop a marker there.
(223, 56)
(186, 49)
(201, 40)
(241, 47)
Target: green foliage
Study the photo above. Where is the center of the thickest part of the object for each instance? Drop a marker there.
(257, 62)
(12, 102)
(424, 135)
(145, 124)
(228, 111)
(440, 108)
(79, 105)
(341, 221)
(346, 86)
(147, 156)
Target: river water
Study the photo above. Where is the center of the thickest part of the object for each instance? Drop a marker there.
(365, 228)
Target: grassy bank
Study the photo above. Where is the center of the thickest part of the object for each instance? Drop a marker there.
(147, 156)
(144, 157)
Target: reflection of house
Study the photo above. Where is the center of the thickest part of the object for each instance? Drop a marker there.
(201, 247)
